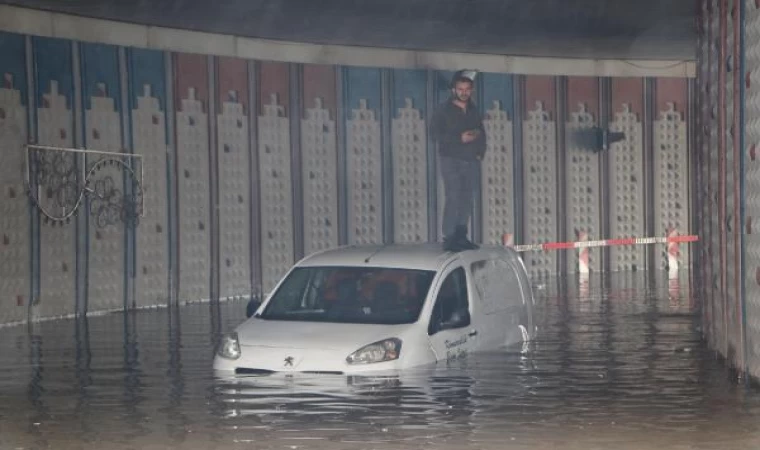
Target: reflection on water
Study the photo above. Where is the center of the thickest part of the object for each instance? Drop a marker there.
(618, 363)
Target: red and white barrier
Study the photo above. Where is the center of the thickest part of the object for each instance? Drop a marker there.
(672, 240)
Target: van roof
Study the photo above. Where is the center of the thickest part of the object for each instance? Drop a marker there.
(421, 256)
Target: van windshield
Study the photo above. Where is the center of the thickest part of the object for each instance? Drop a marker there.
(371, 295)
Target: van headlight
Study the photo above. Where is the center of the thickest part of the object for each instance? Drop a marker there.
(229, 348)
(380, 351)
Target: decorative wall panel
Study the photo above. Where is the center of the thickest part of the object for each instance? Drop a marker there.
(193, 185)
(627, 173)
(582, 170)
(320, 159)
(364, 156)
(233, 149)
(101, 91)
(540, 172)
(15, 275)
(497, 169)
(55, 127)
(275, 174)
(148, 108)
(409, 147)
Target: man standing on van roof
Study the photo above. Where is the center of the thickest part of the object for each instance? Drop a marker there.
(457, 127)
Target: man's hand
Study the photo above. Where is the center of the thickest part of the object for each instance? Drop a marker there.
(469, 136)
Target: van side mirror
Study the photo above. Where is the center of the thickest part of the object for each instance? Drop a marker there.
(459, 319)
(252, 306)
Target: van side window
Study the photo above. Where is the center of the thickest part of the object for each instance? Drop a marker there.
(451, 298)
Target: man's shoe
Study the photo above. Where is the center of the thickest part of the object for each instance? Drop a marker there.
(450, 244)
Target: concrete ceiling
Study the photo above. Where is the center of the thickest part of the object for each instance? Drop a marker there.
(631, 29)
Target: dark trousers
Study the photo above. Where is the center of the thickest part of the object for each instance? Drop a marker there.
(459, 180)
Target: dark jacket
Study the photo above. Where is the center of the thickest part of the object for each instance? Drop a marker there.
(449, 122)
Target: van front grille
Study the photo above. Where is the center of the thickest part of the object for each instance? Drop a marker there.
(250, 371)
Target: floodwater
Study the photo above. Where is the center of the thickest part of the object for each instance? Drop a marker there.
(618, 364)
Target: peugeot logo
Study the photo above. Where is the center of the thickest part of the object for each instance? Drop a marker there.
(289, 361)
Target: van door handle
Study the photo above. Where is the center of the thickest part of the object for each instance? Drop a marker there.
(473, 333)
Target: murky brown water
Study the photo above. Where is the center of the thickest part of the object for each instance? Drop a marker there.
(618, 364)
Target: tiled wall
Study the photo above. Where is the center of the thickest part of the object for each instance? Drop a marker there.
(249, 165)
(751, 191)
(727, 208)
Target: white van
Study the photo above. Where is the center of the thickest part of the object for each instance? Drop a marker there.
(364, 309)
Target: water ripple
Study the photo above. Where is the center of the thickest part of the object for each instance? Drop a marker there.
(619, 363)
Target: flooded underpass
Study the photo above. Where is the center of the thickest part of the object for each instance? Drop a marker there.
(618, 363)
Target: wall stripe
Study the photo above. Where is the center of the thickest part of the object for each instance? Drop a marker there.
(432, 155)
(518, 186)
(255, 192)
(722, 188)
(704, 180)
(341, 115)
(742, 168)
(710, 288)
(33, 136)
(694, 160)
(605, 99)
(649, 115)
(82, 224)
(127, 144)
(296, 105)
(476, 235)
(736, 215)
(171, 179)
(442, 92)
(215, 316)
(387, 155)
(562, 114)
(213, 173)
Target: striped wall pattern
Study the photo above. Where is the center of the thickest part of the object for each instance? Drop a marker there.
(250, 165)
(727, 108)
(751, 172)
